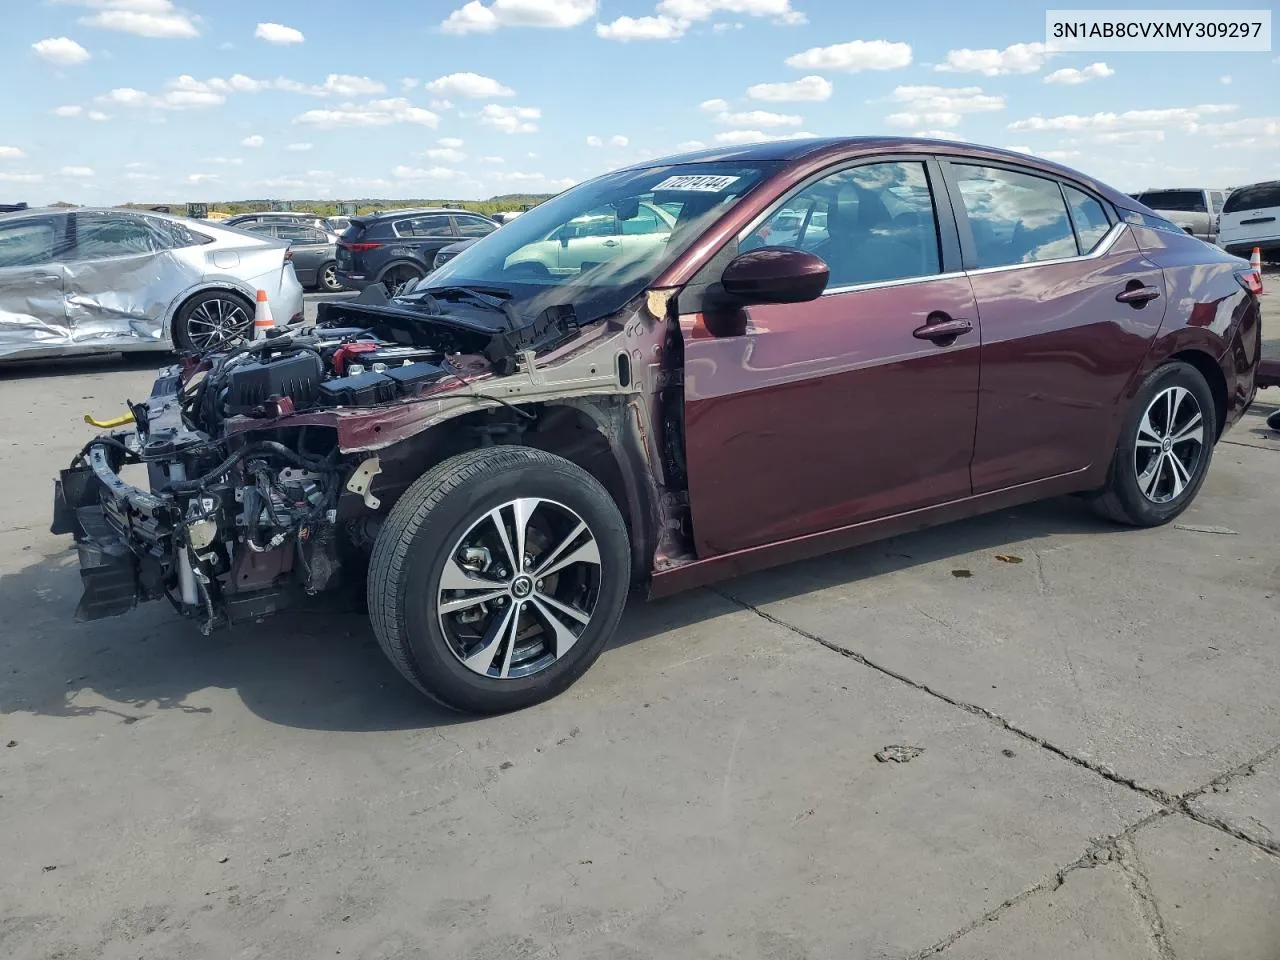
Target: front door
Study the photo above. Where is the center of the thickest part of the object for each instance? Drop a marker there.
(1069, 306)
(32, 309)
(813, 416)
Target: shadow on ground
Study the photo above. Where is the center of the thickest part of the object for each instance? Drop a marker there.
(321, 668)
(18, 370)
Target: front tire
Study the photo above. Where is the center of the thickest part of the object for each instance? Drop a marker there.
(498, 578)
(1164, 450)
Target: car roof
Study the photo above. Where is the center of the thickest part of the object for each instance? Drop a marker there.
(54, 211)
(414, 212)
(815, 149)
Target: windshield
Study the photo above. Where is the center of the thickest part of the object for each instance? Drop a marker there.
(600, 243)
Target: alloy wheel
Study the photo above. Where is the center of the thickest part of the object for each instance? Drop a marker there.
(217, 321)
(329, 278)
(1169, 448)
(519, 588)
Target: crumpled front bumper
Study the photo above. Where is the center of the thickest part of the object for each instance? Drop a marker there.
(124, 536)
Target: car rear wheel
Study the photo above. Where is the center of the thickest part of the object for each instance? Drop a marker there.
(1164, 451)
(212, 319)
(498, 578)
(397, 276)
(329, 278)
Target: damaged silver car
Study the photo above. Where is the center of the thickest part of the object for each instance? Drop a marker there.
(101, 280)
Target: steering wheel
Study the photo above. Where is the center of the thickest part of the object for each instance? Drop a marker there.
(528, 268)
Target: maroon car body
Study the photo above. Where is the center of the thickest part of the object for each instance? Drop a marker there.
(739, 406)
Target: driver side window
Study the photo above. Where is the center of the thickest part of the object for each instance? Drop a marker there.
(870, 223)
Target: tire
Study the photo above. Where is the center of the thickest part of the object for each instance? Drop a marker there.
(1145, 488)
(398, 275)
(212, 318)
(327, 278)
(445, 522)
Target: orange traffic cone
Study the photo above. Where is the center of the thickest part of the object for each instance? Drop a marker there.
(1255, 262)
(262, 319)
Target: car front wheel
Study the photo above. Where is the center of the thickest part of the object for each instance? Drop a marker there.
(329, 278)
(1164, 451)
(498, 578)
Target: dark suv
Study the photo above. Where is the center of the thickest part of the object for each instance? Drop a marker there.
(397, 246)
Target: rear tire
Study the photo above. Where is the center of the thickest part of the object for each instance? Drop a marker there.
(327, 278)
(1164, 451)
(212, 318)
(464, 624)
(397, 276)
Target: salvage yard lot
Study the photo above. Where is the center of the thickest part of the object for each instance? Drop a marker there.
(1095, 706)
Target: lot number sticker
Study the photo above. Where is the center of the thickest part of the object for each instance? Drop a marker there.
(699, 183)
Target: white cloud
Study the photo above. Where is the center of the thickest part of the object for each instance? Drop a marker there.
(278, 34)
(1131, 136)
(733, 137)
(806, 89)
(937, 118)
(1072, 76)
(441, 104)
(374, 113)
(335, 85)
(61, 50)
(254, 141)
(714, 106)
(706, 9)
(626, 29)
(724, 27)
(594, 141)
(140, 177)
(618, 140)
(77, 172)
(225, 161)
(445, 154)
(472, 85)
(510, 119)
(10, 153)
(1226, 80)
(759, 118)
(1019, 149)
(70, 110)
(144, 18)
(534, 181)
(490, 159)
(20, 177)
(202, 177)
(1018, 58)
(476, 17)
(690, 145)
(1186, 117)
(98, 116)
(409, 83)
(449, 142)
(854, 56)
(938, 135)
(136, 165)
(1058, 154)
(431, 173)
(298, 147)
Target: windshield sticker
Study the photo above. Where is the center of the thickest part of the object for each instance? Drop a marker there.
(698, 183)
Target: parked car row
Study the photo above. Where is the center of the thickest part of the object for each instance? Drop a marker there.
(1236, 220)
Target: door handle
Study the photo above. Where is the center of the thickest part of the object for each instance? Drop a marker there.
(942, 330)
(1137, 296)
(609, 243)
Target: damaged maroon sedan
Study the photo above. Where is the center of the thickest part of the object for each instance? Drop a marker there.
(671, 374)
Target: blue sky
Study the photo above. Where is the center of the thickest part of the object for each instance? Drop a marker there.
(116, 100)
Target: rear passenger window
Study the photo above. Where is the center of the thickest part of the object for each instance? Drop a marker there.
(1014, 217)
(436, 226)
(27, 243)
(1089, 217)
(474, 227)
(870, 224)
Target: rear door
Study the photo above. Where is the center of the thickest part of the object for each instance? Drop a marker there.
(590, 239)
(418, 238)
(122, 278)
(1068, 304)
(32, 309)
(310, 250)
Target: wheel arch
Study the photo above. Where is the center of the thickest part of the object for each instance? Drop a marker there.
(181, 301)
(400, 262)
(1212, 372)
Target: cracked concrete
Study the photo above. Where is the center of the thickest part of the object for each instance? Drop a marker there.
(1101, 750)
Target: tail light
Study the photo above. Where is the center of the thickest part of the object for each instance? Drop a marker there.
(359, 247)
(1250, 280)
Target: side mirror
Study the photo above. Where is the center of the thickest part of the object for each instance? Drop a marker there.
(564, 238)
(775, 275)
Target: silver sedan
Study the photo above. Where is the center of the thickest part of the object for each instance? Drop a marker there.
(103, 280)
